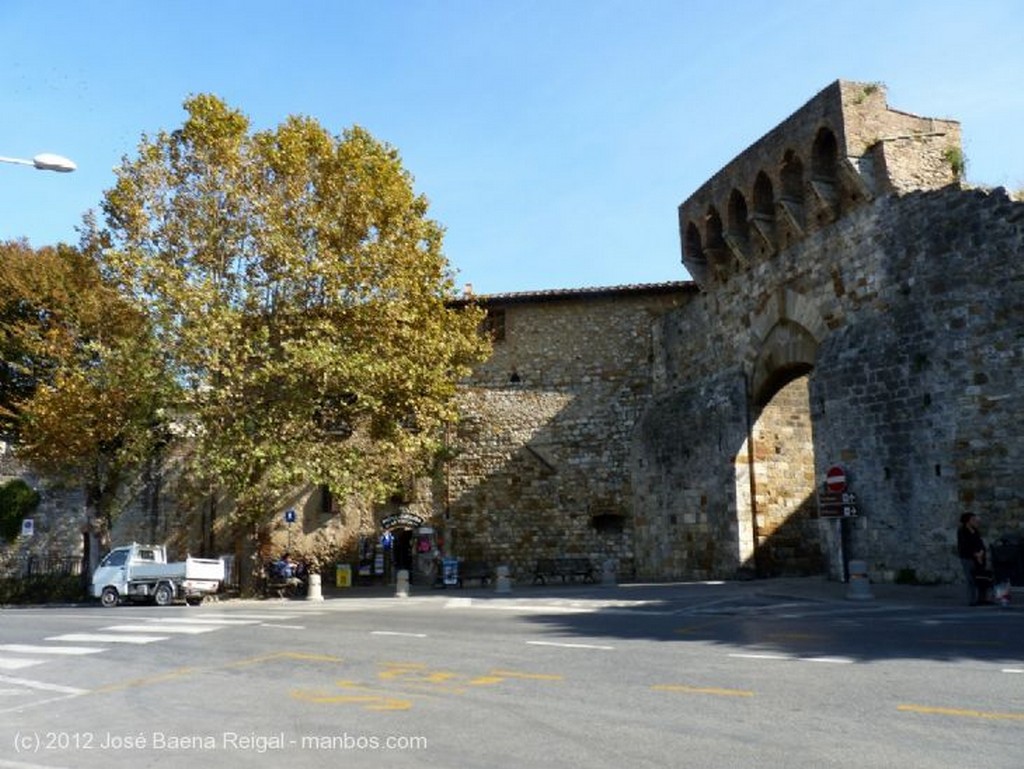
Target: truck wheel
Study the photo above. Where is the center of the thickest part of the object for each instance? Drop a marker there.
(109, 597)
(163, 595)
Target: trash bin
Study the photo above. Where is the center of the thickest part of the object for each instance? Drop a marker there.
(1008, 559)
(343, 575)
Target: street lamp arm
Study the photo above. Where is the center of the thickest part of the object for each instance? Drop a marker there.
(19, 161)
(45, 161)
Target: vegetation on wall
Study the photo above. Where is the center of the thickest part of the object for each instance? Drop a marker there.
(18, 501)
(957, 161)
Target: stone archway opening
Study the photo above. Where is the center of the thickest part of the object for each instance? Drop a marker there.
(780, 533)
(786, 533)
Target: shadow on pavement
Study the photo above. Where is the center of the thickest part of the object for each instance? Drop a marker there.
(799, 617)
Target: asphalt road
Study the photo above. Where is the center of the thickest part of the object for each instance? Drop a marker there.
(682, 676)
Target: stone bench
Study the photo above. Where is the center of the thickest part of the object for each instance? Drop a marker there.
(567, 568)
(475, 570)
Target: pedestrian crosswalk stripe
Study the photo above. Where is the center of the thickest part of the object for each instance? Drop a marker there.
(108, 638)
(223, 622)
(42, 686)
(247, 615)
(7, 663)
(193, 629)
(36, 649)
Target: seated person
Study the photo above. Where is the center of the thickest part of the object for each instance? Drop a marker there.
(284, 569)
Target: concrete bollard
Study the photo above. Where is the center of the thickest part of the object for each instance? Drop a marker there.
(402, 584)
(859, 587)
(609, 572)
(502, 582)
(314, 589)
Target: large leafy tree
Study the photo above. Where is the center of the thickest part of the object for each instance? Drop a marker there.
(83, 389)
(300, 291)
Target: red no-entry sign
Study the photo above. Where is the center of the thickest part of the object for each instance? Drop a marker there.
(835, 479)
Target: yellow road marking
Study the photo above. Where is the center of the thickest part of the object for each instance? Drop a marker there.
(485, 680)
(961, 712)
(527, 676)
(369, 701)
(183, 672)
(702, 690)
(137, 682)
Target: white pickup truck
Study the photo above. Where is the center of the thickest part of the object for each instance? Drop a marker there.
(141, 572)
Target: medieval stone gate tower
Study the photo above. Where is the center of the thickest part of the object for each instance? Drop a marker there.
(858, 308)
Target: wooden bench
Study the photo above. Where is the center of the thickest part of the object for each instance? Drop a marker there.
(567, 568)
(478, 570)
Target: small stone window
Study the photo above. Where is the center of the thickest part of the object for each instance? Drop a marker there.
(607, 523)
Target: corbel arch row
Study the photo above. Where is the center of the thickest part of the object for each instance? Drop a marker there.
(781, 204)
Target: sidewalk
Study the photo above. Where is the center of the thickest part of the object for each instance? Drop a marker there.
(820, 589)
(791, 588)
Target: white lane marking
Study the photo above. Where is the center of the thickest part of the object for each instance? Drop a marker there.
(41, 685)
(761, 656)
(283, 627)
(191, 629)
(791, 658)
(256, 616)
(4, 764)
(107, 638)
(569, 645)
(395, 632)
(224, 622)
(18, 664)
(35, 649)
(1013, 670)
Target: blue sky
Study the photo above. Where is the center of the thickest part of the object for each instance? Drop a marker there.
(554, 138)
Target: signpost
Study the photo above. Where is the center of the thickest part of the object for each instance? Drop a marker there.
(836, 501)
(289, 518)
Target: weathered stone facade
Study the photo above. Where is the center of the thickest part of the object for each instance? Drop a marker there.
(539, 464)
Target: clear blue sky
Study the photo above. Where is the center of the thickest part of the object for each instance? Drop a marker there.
(554, 138)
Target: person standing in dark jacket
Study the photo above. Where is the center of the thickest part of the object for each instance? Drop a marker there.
(971, 549)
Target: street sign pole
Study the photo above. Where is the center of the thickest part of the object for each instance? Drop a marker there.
(289, 518)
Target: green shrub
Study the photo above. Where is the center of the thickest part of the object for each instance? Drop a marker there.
(46, 588)
(17, 501)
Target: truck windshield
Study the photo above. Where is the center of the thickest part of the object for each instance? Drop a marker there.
(115, 558)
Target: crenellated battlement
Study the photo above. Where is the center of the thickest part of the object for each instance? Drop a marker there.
(840, 150)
